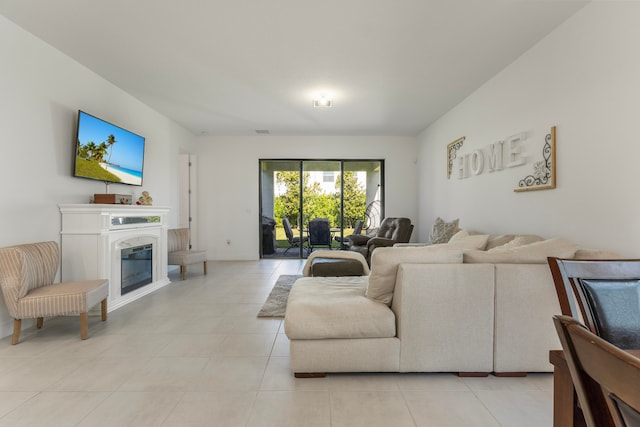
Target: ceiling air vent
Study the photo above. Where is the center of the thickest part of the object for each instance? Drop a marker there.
(262, 131)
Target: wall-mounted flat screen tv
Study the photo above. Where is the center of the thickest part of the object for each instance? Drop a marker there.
(108, 153)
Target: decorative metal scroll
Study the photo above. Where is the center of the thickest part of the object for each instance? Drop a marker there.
(372, 216)
(544, 171)
(452, 150)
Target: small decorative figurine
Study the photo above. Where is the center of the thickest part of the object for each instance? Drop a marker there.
(145, 199)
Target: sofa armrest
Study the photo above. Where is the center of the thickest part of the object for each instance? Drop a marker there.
(444, 317)
(377, 242)
(359, 239)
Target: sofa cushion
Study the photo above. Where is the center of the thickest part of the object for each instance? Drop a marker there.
(464, 240)
(63, 298)
(596, 254)
(186, 257)
(534, 253)
(498, 240)
(335, 307)
(442, 231)
(520, 240)
(461, 234)
(335, 267)
(339, 255)
(385, 261)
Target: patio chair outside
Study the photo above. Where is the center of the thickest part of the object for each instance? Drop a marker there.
(294, 241)
(319, 233)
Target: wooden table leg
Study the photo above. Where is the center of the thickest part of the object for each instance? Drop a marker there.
(563, 398)
(566, 412)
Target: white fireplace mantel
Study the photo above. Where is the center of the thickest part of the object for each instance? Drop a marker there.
(93, 234)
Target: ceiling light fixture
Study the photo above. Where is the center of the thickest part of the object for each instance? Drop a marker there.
(323, 101)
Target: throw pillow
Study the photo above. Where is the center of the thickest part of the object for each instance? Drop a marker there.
(461, 234)
(477, 241)
(499, 240)
(465, 239)
(385, 261)
(442, 231)
(520, 240)
(534, 253)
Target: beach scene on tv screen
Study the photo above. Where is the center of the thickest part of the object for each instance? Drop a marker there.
(107, 152)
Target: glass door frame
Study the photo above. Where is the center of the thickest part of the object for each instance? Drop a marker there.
(301, 161)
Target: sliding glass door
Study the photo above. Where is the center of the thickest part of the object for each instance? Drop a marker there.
(307, 205)
(280, 209)
(321, 213)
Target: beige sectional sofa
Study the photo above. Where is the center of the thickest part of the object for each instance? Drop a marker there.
(454, 307)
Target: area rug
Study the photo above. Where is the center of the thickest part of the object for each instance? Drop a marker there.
(276, 303)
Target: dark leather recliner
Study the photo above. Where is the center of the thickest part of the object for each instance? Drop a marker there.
(390, 232)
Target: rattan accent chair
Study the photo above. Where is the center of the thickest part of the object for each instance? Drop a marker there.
(27, 273)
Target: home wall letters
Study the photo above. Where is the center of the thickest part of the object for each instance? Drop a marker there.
(496, 156)
(507, 153)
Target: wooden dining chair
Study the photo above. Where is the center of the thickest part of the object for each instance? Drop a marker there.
(604, 294)
(606, 378)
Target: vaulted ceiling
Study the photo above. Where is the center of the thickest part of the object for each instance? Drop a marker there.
(231, 67)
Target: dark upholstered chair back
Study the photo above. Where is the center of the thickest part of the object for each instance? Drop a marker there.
(398, 229)
(604, 293)
(287, 229)
(391, 231)
(294, 241)
(615, 305)
(319, 232)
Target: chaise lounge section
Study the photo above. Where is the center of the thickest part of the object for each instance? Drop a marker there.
(442, 308)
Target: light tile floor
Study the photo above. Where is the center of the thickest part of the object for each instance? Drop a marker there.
(194, 354)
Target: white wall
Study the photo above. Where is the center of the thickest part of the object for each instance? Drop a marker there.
(41, 91)
(584, 78)
(228, 182)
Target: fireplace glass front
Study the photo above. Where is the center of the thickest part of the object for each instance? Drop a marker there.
(136, 267)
